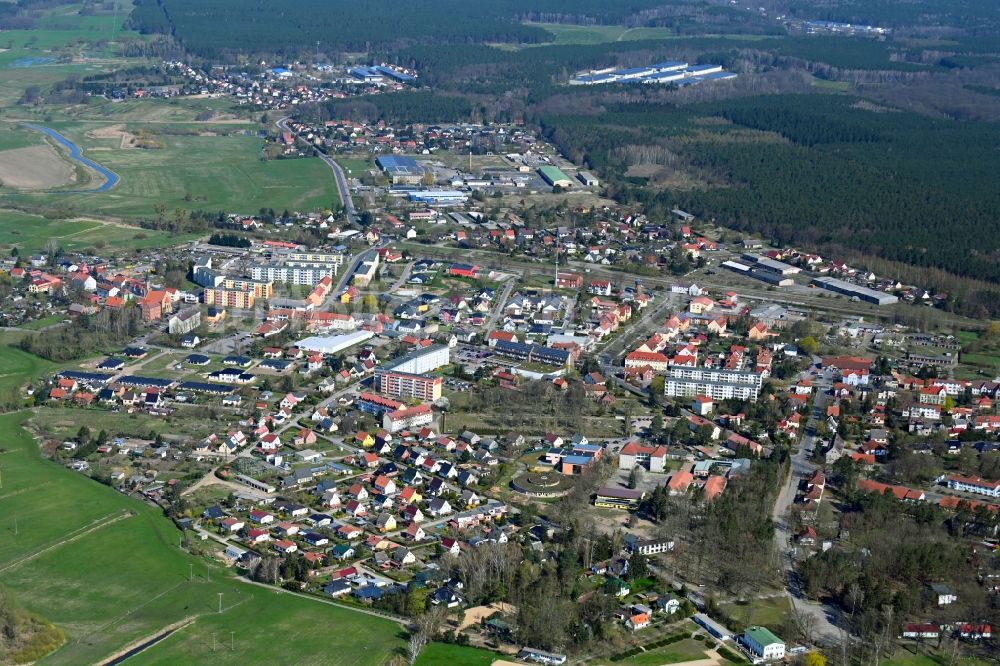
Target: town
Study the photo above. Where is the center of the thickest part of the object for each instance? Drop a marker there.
(366, 414)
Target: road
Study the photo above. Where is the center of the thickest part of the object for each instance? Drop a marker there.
(339, 178)
(498, 307)
(816, 617)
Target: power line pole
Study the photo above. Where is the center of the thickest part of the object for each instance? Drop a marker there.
(213, 642)
(232, 641)
(220, 602)
(190, 571)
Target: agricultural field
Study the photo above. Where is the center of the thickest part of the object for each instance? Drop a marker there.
(228, 174)
(108, 571)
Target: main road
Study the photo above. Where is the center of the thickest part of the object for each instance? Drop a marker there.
(343, 190)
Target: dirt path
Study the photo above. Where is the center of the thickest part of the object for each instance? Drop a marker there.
(210, 479)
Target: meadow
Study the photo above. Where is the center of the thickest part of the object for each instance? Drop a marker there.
(209, 168)
(32, 233)
(108, 570)
(599, 34)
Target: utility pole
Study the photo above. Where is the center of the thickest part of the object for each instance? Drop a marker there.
(220, 602)
(232, 641)
(190, 571)
(208, 572)
(213, 642)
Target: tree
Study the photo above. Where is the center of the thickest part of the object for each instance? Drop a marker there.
(808, 344)
(814, 659)
(638, 567)
(633, 477)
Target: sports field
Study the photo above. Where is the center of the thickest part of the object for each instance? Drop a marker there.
(108, 570)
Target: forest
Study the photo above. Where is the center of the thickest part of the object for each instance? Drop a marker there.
(292, 28)
(825, 172)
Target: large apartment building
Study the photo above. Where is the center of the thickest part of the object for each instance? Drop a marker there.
(259, 288)
(716, 383)
(305, 268)
(407, 384)
(230, 298)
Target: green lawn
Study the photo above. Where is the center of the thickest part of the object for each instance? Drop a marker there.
(685, 650)
(354, 167)
(107, 569)
(191, 172)
(44, 322)
(766, 612)
(905, 658)
(455, 655)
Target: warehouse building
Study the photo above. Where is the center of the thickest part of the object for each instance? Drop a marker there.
(770, 265)
(855, 291)
(400, 170)
(331, 344)
(554, 176)
(438, 197)
(587, 179)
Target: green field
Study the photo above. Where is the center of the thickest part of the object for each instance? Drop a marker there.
(354, 167)
(600, 34)
(193, 171)
(18, 367)
(455, 655)
(686, 650)
(108, 570)
(31, 233)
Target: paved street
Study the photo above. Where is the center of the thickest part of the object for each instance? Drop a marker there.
(339, 178)
(818, 617)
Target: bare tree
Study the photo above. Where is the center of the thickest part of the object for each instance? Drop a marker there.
(416, 643)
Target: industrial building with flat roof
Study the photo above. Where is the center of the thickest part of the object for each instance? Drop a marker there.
(554, 176)
(331, 344)
(401, 170)
(855, 291)
(677, 72)
(438, 197)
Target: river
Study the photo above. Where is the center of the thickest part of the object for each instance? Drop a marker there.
(110, 177)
